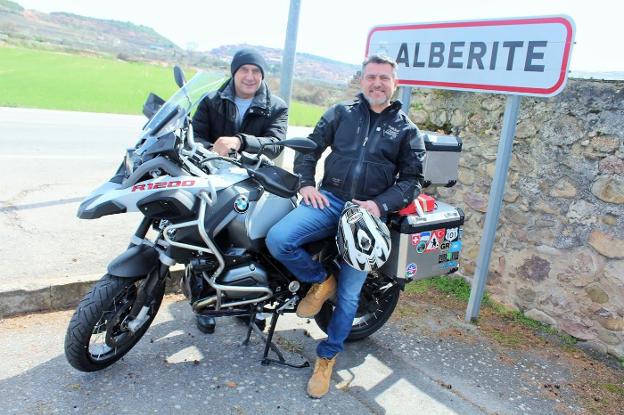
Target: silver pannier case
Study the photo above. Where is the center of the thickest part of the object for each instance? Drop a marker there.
(442, 162)
(425, 246)
(429, 245)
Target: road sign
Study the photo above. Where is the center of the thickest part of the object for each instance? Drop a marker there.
(517, 56)
(523, 56)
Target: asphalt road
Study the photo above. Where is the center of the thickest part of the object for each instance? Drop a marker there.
(49, 161)
(177, 369)
(424, 361)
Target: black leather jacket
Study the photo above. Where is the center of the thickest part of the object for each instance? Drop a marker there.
(385, 166)
(266, 120)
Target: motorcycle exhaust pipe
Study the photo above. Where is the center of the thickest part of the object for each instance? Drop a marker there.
(203, 303)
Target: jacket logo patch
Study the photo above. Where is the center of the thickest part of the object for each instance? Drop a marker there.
(391, 132)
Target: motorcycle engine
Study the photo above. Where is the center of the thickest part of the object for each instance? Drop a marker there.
(251, 275)
(248, 275)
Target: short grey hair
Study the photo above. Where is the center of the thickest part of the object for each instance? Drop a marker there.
(380, 59)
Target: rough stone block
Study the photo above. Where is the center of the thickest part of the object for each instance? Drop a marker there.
(609, 188)
(597, 294)
(540, 316)
(606, 244)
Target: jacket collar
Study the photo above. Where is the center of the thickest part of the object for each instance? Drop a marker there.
(261, 100)
(394, 105)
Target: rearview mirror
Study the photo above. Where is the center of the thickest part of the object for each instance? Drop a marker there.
(178, 74)
(152, 105)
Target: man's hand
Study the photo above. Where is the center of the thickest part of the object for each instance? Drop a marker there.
(312, 196)
(369, 205)
(224, 145)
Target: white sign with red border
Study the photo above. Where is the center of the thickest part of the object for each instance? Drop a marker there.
(523, 56)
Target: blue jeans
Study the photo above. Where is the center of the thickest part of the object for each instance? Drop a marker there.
(285, 240)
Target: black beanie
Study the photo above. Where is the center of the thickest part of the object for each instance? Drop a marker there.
(245, 57)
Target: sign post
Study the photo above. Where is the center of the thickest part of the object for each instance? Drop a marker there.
(406, 97)
(516, 56)
(503, 156)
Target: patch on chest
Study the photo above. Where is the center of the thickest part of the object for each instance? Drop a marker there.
(391, 132)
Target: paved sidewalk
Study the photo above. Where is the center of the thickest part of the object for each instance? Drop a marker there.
(176, 368)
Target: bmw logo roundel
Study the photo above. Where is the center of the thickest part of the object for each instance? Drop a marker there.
(241, 204)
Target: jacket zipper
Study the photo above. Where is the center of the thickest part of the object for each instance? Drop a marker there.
(358, 168)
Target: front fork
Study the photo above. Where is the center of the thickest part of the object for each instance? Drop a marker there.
(150, 285)
(146, 295)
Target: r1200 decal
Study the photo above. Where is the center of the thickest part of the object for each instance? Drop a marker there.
(162, 185)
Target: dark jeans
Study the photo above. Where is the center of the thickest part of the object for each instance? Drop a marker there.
(285, 240)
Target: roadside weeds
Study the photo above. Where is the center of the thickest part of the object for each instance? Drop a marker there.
(596, 382)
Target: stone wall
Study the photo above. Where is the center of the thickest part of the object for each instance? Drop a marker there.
(559, 251)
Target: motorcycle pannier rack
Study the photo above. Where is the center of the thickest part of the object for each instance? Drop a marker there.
(425, 246)
(442, 162)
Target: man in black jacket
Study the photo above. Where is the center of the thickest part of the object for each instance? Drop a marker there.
(376, 161)
(242, 115)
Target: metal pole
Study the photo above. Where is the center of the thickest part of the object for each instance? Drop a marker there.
(288, 61)
(494, 205)
(290, 46)
(406, 98)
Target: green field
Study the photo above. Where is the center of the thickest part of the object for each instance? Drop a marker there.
(34, 78)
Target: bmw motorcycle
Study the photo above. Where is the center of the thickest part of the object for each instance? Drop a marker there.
(212, 215)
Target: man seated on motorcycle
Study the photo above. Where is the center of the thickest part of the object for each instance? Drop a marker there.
(375, 161)
(241, 115)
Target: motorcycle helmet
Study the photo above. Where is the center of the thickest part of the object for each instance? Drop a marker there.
(363, 239)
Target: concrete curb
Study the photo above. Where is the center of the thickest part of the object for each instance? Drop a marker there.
(58, 293)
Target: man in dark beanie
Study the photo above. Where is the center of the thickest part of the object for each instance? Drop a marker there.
(242, 115)
(247, 56)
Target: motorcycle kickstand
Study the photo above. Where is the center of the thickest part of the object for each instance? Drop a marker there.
(266, 360)
(252, 326)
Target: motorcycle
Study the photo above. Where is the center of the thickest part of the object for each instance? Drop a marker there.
(211, 214)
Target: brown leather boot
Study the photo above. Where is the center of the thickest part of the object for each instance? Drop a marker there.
(318, 385)
(316, 297)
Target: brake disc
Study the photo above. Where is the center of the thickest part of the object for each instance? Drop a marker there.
(116, 328)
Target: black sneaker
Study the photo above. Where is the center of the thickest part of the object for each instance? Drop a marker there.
(206, 324)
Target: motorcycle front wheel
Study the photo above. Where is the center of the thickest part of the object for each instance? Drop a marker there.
(378, 300)
(98, 334)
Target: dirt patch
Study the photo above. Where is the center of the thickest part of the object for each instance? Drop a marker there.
(596, 383)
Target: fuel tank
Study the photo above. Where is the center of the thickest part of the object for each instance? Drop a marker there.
(249, 227)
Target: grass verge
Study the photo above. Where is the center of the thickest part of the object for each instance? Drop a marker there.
(459, 289)
(33, 78)
(595, 382)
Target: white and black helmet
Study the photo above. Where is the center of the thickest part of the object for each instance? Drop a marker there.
(363, 239)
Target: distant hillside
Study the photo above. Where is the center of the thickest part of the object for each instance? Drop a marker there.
(127, 41)
(608, 76)
(71, 32)
(307, 66)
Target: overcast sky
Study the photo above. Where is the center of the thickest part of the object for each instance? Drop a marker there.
(337, 29)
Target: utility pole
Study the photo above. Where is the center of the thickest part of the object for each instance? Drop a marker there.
(290, 46)
(288, 60)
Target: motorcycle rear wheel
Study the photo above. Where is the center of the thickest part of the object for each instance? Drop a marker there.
(378, 300)
(97, 335)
